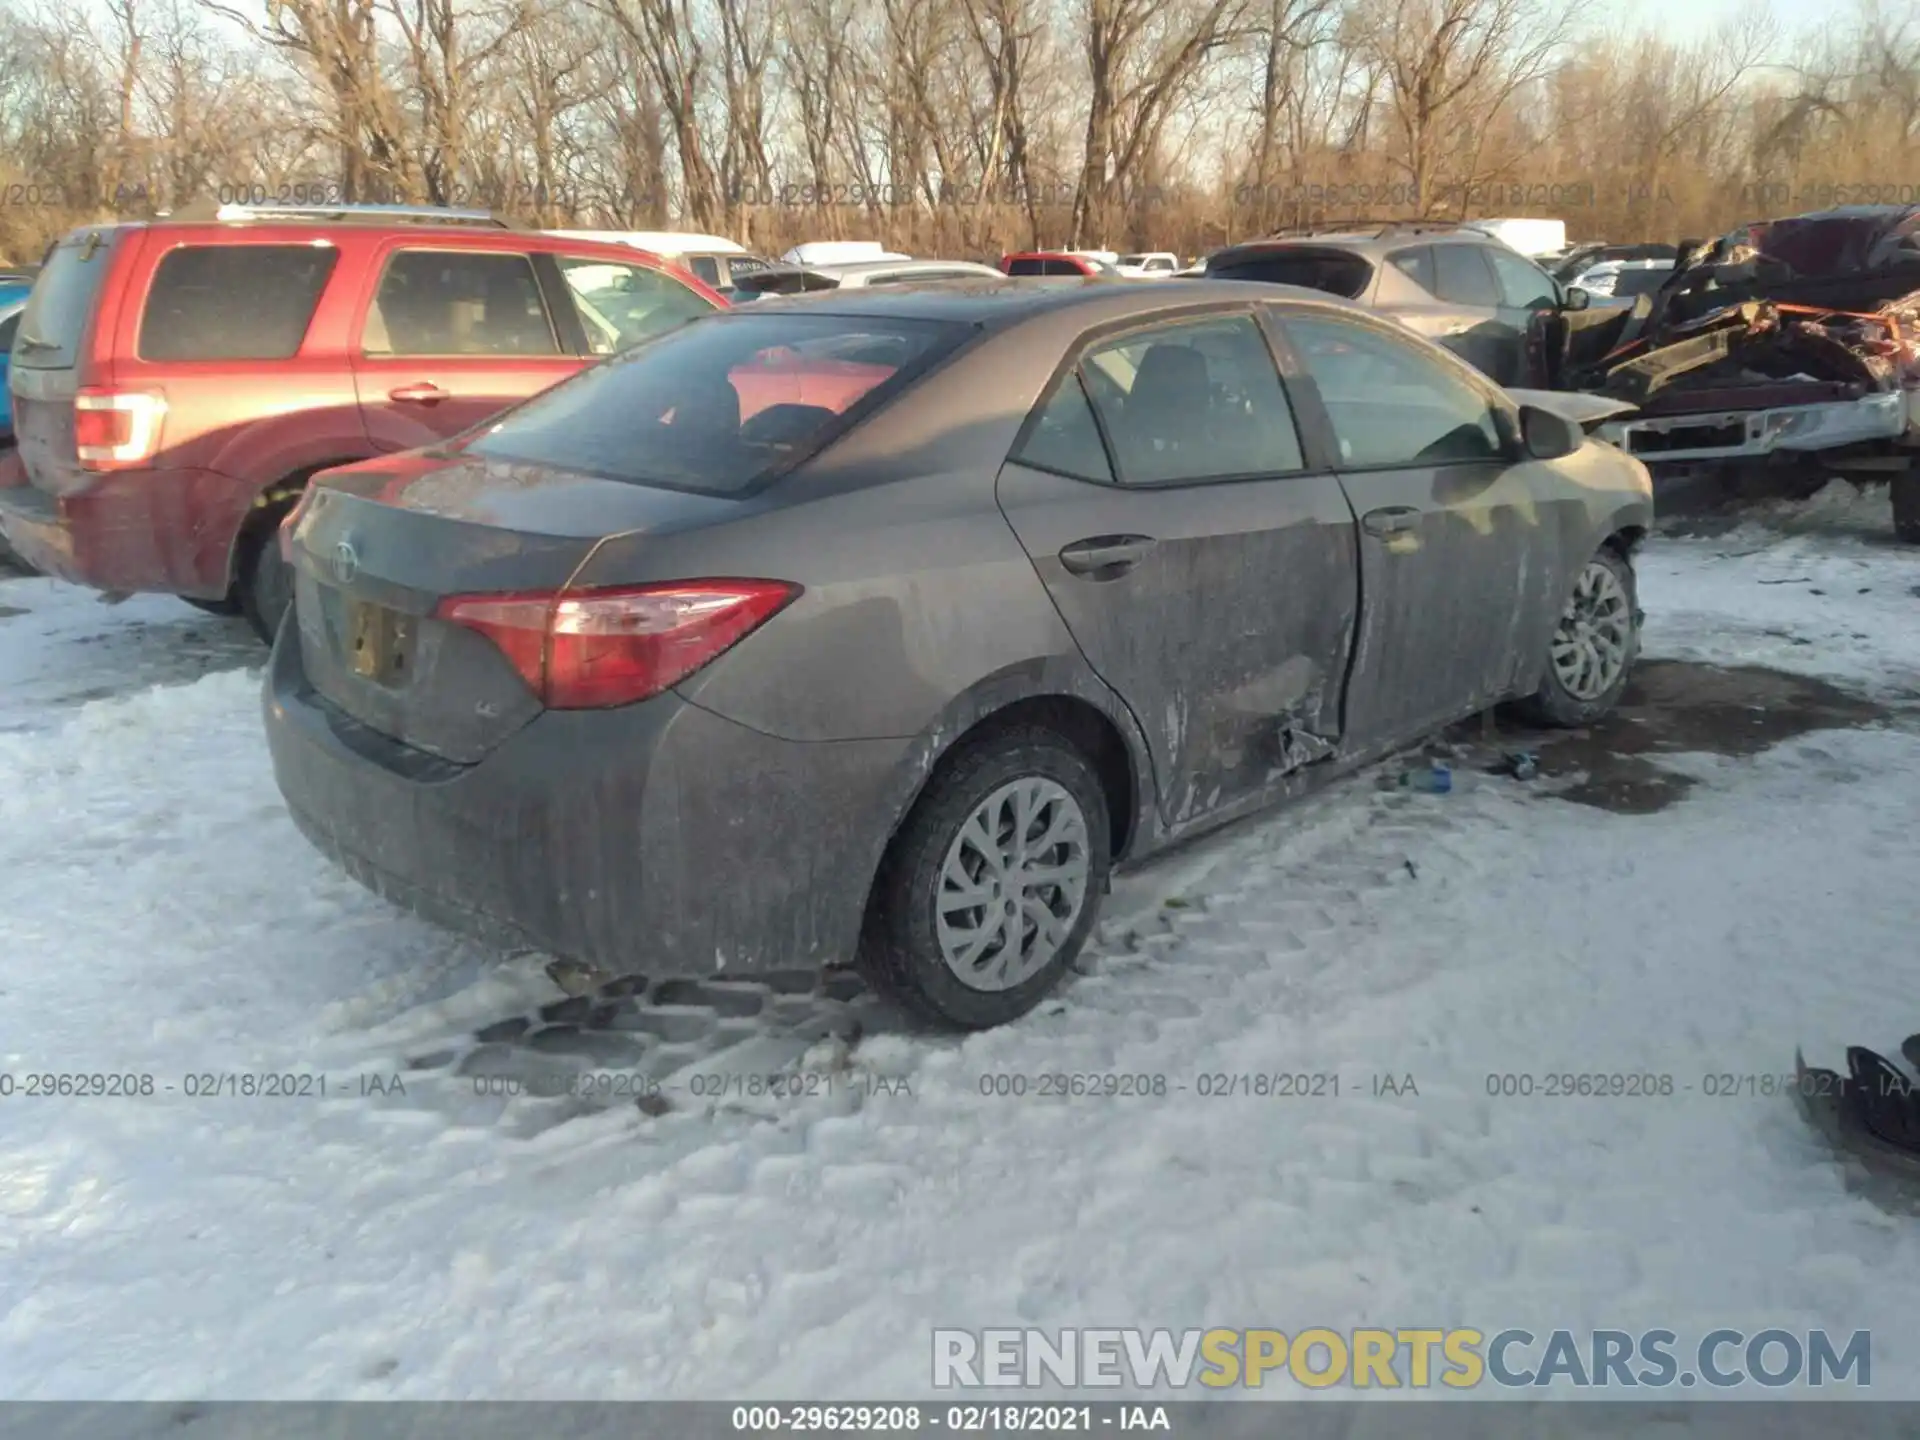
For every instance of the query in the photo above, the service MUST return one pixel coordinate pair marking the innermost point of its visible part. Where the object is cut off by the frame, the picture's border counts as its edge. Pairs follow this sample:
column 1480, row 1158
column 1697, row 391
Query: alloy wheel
column 1591, row 646
column 1012, row 884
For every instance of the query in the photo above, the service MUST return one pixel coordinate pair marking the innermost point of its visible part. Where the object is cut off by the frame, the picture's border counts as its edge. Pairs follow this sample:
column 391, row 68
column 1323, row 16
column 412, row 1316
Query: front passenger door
column 1529, row 304
column 1204, row 567
column 1454, row 556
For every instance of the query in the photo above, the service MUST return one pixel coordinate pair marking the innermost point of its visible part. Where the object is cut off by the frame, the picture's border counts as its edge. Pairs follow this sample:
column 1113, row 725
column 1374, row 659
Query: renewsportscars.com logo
column 1369, row 1359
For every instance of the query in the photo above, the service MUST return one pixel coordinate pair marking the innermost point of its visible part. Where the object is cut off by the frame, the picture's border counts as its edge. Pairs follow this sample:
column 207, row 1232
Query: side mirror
column 1547, row 436
column 1575, row 299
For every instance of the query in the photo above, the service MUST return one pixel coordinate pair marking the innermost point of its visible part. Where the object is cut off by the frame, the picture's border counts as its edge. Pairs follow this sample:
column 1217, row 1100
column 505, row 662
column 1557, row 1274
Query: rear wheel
column 226, row 605
column 991, row 887
column 1593, row 647
column 1904, row 489
column 266, row 582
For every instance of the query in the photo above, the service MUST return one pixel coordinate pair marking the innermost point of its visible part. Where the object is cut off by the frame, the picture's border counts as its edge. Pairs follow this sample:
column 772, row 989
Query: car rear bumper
column 168, row 531
column 659, row 839
column 1745, row 434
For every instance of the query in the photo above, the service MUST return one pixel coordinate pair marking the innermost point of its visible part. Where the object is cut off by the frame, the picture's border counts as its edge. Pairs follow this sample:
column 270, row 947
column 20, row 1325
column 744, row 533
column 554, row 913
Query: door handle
column 424, row 392
column 1393, row 520
column 1106, row 557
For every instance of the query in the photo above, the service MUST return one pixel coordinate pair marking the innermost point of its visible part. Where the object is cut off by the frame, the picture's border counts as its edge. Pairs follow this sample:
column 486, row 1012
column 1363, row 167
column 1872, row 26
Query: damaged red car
column 1787, row 342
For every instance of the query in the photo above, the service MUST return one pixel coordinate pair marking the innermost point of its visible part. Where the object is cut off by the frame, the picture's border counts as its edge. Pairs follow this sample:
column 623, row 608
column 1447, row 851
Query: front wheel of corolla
column 1593, row 647
column 991, row 886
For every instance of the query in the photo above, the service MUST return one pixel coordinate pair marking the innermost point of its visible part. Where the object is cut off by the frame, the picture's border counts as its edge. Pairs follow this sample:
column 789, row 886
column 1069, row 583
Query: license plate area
column 379, row 642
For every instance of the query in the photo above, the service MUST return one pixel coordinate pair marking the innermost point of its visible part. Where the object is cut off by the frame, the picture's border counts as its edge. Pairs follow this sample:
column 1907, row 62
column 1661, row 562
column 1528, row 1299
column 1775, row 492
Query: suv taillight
column 116, row 429
column 594, row 649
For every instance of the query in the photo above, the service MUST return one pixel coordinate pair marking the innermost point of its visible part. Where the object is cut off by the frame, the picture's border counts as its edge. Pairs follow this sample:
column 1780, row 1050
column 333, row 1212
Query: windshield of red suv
column 724, row 403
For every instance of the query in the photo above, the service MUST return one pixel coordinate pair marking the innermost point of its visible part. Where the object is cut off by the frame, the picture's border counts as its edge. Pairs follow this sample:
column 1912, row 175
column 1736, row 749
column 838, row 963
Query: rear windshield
column 723, row 404
column 233, row 302
column 55, row 322
column 1328, row 271
column 784, row 282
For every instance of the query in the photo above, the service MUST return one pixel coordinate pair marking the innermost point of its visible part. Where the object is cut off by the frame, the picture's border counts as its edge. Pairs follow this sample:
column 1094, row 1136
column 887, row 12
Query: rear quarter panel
column 922, row 614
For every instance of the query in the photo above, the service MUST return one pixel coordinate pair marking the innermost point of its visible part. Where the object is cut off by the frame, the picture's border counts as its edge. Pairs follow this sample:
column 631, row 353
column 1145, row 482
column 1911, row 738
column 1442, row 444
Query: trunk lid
column 377, row 547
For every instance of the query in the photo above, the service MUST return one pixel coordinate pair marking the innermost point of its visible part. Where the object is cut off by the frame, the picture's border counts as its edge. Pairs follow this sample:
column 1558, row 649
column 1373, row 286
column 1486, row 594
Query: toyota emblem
column 346, row 564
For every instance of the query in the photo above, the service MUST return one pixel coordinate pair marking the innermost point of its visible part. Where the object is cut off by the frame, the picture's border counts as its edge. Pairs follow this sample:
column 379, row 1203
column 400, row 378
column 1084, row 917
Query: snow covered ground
column 160, row 916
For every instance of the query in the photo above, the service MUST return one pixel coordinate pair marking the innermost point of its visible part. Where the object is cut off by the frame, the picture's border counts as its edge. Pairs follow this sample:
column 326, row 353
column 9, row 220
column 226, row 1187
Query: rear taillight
column 116, row 429
column 593, row 649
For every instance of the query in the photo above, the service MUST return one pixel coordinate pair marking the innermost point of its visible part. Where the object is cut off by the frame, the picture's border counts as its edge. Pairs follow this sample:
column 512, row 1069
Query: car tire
column 1904, row 491
column 928, row 968
column 225, row 607
column 1603, row 606
column 266, row 583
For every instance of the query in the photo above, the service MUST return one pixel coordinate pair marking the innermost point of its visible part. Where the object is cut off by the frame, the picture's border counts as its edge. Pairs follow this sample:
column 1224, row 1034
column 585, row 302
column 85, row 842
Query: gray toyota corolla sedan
column 879, row 628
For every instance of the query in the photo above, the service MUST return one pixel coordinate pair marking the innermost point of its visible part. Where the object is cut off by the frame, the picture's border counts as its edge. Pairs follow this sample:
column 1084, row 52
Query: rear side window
column 1194, row 401
column 1064, row 267
column 233, row 302
column 57, row 314
column 1392, row 403
column 1331, row 271
column 1065, row 438
column 706, row 267
column 717, row 407
column 1028, row 267
column 1461, row 276
column 459, row 302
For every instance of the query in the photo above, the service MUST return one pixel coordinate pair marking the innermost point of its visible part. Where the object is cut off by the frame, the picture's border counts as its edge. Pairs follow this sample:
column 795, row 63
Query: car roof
column 368, row 220
column 1363, row 243
column 671, row 243
column 991, row 302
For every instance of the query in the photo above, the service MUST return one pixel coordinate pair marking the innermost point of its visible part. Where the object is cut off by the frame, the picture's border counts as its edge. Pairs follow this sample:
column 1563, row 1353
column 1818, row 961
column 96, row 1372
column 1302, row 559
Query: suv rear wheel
column 266, row 581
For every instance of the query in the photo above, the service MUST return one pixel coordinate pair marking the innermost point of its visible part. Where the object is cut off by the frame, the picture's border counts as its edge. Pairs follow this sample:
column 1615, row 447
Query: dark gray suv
column 1487, row 303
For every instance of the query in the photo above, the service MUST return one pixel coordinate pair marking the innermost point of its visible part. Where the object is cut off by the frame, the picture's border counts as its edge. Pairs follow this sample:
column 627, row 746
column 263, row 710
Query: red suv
column 1054, row 262
column 176, row 382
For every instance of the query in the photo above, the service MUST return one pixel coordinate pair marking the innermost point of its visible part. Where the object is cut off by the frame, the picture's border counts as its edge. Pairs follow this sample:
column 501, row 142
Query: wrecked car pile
column 1795, row 338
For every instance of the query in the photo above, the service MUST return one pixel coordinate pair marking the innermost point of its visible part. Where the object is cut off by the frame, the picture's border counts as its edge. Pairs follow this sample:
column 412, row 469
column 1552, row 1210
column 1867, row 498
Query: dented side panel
column 1228, row 640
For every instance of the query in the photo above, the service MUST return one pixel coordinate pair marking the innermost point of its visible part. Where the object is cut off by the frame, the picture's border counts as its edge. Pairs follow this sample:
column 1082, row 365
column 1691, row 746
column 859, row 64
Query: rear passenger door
column 449, row 337
column 1204, row 566
column 1455, row 555
column 1464, row 282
